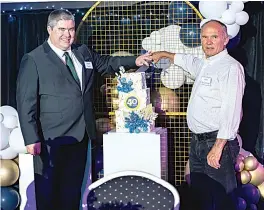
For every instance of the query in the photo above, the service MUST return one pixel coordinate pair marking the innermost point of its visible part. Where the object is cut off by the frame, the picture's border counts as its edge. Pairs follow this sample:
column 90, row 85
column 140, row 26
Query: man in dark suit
column 55, row 107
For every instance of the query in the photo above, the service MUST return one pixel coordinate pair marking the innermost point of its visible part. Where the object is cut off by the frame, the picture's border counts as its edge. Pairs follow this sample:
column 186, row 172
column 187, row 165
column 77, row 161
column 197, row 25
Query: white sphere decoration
column 232, row 30
column 4, row 136
column 8, row 110
column 242, row 18
column 203, row 22
column 16, row 141
column 1, row 117
column 188, row 80
column 163, row 63
column 172, row 77
column 237, row 6
column 10, row 121
column 228, row 17
column 212, row 9
column 146, row 43
column 8, row 154
column 155, row 37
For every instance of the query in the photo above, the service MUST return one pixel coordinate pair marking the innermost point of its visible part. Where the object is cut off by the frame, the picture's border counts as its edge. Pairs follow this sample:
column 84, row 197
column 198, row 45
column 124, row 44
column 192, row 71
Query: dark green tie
column 70, row 65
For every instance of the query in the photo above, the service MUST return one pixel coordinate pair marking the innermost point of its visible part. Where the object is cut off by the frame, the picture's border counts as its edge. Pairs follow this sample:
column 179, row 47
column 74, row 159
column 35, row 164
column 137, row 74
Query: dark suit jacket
column 50, row 103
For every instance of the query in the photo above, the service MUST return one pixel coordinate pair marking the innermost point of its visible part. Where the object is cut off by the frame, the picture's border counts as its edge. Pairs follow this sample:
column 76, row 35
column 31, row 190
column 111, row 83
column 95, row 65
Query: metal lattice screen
column 128, row 28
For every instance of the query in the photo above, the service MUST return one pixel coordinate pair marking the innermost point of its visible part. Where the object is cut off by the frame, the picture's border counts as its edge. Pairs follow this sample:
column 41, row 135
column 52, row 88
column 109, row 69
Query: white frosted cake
column 135, row 113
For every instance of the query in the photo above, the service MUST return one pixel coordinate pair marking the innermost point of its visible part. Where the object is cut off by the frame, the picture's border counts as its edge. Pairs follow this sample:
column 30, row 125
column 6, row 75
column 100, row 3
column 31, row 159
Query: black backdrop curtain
column 250, row 53
column 21, row 33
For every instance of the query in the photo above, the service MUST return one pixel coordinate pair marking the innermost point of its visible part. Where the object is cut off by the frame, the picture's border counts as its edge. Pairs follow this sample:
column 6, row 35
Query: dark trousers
column 212, row 188
column 59, row 172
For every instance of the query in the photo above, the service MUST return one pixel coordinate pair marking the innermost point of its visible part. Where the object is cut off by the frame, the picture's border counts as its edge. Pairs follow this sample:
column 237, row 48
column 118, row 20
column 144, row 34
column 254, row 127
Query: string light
column 24, row 9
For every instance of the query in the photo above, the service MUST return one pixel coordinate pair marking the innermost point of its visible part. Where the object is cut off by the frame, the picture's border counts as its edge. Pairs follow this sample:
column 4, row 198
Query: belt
column 204, row 136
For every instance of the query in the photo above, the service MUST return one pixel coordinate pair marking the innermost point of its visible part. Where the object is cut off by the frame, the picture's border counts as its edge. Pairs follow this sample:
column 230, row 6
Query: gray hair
column 220, row 23
column 57, row 15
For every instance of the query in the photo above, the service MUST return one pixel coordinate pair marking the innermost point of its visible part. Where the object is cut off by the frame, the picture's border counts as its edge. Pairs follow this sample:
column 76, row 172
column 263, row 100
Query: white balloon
column 228, row 17
column 8, row 154
column 155, row 37
column 10, row 121
column 242, row 18
column 232, row 30
column 1, row 117
column 163, row 63
column 170, row 38
column 172, row 77
column 188, row 80
column 4, row 137
column 212, row 9
column 237, row 6
column 203, row 22
column 16, row 141
column 8, row 110
column 146, row 43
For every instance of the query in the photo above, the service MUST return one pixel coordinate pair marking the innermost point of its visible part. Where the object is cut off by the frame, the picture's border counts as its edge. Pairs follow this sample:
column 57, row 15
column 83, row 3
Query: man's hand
column 144, row 59
column 34, row 149
column 156, row 56
column 213, row 157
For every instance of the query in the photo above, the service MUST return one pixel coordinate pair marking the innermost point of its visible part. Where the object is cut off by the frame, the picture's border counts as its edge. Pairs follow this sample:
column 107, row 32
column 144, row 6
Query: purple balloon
column 250, row 193
column 241, row 204
column 252, row 207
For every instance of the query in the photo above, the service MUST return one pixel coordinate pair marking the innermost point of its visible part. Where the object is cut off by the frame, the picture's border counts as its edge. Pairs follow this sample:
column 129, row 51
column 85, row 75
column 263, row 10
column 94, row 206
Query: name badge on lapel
column 88, row 65
column 206, row 81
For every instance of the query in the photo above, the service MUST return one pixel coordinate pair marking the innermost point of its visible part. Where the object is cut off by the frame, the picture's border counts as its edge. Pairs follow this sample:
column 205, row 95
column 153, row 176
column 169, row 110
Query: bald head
column 216, row 23
column 214, row 37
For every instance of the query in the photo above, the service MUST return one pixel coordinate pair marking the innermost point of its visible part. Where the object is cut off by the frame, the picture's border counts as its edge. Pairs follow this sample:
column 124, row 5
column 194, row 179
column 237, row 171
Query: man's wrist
column 220, row 143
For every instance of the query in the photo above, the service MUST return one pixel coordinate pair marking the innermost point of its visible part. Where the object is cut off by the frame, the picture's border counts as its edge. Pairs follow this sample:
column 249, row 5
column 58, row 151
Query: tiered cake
column 135, row 113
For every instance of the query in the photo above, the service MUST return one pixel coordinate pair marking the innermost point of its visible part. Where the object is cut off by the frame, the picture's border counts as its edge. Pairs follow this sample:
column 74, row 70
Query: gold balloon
column 16, row 160
column 251, row 163
column 261, row 189
column 245, row 177
column 257, row 175
column 9, row 173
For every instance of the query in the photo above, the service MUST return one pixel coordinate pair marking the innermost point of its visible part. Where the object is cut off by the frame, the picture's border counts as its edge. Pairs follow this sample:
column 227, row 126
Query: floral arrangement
column 138, row 122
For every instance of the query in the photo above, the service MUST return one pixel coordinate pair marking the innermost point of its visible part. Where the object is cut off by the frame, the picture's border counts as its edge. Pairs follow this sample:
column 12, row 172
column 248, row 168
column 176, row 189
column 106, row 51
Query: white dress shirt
column 216, row 99
column 78, row 67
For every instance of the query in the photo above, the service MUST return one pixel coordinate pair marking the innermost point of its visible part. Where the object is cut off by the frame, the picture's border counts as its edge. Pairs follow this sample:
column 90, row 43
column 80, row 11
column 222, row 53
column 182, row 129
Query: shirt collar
column 58, row 51
column 217, row 56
